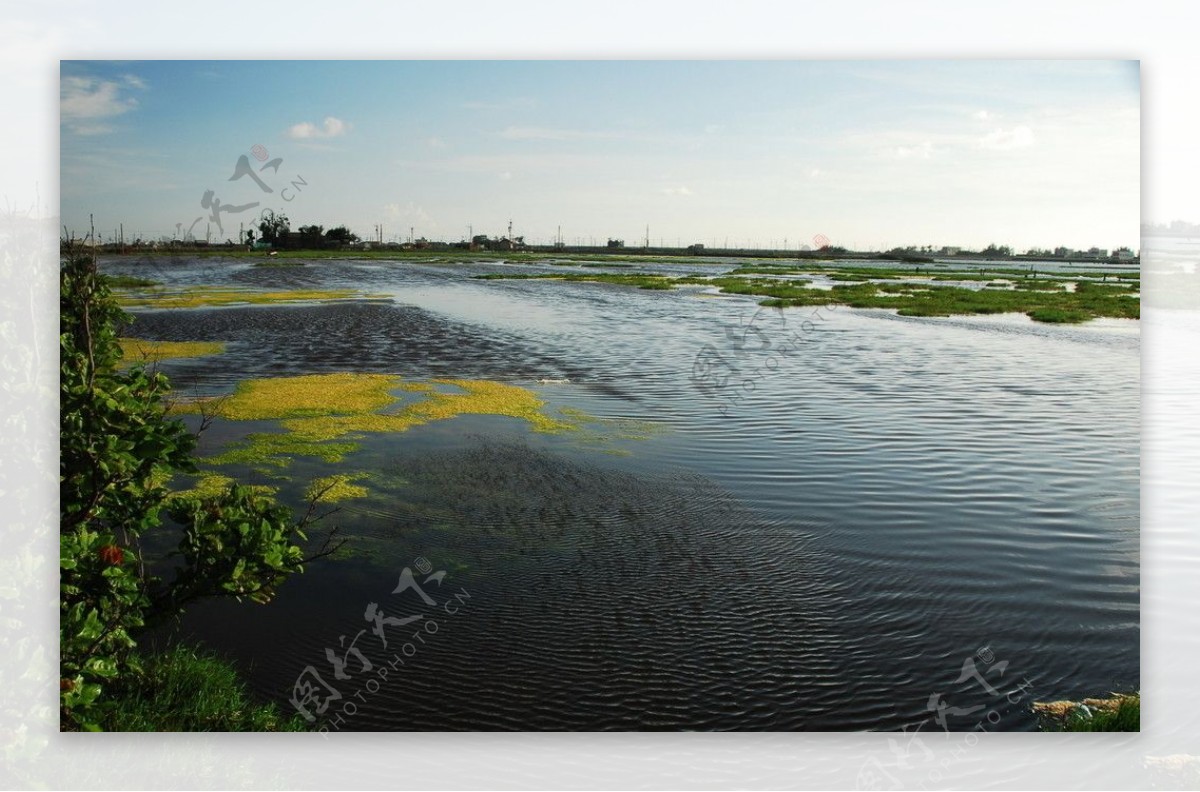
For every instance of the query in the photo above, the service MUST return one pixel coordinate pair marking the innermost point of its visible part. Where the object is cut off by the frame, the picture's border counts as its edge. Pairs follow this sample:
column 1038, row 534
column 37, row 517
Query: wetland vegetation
column 1043, row 297
column 331, row 430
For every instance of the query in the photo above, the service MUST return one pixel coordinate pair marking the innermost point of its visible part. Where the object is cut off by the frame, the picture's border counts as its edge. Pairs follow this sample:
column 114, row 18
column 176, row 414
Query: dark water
column 877, row 522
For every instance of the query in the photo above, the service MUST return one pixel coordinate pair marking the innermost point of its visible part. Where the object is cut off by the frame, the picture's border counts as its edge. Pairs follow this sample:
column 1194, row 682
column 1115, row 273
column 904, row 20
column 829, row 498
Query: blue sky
column 869, row 154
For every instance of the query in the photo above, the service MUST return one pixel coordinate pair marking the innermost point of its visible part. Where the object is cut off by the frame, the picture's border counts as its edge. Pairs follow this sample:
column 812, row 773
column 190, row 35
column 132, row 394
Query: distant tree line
column 275, row 229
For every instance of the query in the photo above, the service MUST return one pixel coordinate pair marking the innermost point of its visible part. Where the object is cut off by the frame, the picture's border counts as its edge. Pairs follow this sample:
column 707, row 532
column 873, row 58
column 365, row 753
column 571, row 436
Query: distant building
column 1063, row 252
column 950, row 251
column 696, row 248
column 616, row 243
column 1124, row 254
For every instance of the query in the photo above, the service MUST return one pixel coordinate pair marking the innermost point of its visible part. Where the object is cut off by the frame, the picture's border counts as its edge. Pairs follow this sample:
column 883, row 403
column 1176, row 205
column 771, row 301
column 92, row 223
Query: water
column 832, row 541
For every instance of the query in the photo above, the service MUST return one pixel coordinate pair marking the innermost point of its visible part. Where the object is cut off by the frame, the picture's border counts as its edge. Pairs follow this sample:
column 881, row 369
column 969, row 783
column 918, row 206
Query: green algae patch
column 264, row 451
column 212, row 485
column 477, row 397
column 215, row 297
column 137, row 350
column 332, row 489
column 317, row 409
column 308, row 395
column 325, row 416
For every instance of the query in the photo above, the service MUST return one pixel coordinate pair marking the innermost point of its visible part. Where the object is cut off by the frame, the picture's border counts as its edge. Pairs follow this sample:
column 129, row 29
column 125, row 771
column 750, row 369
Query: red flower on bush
column 111, row 554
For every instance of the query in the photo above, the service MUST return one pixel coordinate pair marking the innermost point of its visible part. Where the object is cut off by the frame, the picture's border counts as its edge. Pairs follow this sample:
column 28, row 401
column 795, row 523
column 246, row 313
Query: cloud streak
column 330, row 128
column 1007, row 139
column 86, row 104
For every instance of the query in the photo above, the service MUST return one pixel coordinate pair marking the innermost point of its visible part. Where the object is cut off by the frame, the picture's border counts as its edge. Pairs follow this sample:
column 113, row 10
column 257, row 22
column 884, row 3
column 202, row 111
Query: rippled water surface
column 871, row 508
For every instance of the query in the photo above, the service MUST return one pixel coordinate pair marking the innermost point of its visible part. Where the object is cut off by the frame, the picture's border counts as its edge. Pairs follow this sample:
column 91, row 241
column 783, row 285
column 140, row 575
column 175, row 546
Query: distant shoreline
column 616, row 253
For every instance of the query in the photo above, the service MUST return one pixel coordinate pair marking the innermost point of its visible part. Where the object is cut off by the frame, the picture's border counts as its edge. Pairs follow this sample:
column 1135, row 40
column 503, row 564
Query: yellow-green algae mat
column 324, row 413
column 138, row 350
column 329, row 489
column 217, row 296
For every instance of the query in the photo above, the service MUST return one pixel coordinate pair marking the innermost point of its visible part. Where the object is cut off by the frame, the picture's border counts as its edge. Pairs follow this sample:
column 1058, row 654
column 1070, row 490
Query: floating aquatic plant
column 325, row 415
column 220, row 296
column 478, row 397
column 308, row 395
column 338, row 487
column 138, row 350
column 211, row 485
column 262, row 451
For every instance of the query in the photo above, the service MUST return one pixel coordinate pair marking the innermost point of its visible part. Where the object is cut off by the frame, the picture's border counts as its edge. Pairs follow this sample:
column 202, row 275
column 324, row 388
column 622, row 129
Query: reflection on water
column 822, row 552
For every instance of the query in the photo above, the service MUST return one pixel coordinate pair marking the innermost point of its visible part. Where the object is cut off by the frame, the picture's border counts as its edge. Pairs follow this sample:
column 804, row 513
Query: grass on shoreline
column 187, row 690
column 1118, row 713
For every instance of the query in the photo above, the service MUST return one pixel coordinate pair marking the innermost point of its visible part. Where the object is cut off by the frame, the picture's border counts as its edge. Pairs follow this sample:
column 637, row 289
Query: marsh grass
column 1118, row 713
column 188, row 690
column 1087, row 302
column 1043, row 299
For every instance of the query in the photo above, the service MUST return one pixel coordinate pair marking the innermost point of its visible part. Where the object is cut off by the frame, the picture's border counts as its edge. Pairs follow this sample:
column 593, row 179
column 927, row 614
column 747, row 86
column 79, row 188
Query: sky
column 865, row 154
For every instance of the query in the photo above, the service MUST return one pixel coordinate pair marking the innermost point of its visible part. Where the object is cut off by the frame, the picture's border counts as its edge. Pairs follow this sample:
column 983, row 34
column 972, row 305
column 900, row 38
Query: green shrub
column 117, row 447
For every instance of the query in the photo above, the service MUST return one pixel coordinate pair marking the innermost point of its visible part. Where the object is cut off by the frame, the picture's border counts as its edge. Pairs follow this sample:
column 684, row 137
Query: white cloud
column 84, row 102
column 922, row 151
column 411, row 214
column 1006, row 139
column 677, row 191
column 330, row 128
column 983, row 115
column 435, row 142
column 505, row 176
column 92, row 129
